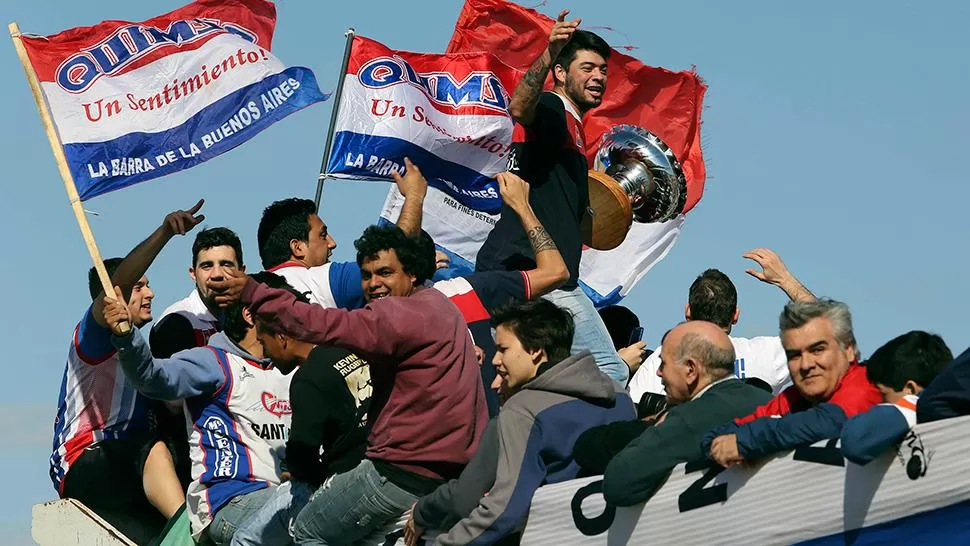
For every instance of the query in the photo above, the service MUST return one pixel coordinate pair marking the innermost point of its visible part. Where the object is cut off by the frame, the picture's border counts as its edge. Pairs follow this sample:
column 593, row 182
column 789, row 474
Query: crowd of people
column 316, row 401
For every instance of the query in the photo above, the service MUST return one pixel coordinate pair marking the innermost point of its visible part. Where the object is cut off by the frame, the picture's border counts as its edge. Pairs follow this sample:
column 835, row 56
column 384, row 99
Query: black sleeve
column 455, row 500
column 498, row 288
column 597, row 446
column 636, row 473
column 532, row 145
column 323, row 412
column 170, row 335
column 948, row 395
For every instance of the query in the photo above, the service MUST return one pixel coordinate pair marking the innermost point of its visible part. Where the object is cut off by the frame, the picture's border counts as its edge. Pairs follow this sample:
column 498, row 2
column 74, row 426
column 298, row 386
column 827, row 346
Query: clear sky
column 834, row 133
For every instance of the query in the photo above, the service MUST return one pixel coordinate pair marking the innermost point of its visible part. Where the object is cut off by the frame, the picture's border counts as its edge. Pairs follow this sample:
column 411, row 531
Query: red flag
column 665, row 103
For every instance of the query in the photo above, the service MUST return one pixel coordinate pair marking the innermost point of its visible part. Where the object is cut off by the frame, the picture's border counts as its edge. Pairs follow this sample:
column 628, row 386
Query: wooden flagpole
column 62, row 166
column 333, row 115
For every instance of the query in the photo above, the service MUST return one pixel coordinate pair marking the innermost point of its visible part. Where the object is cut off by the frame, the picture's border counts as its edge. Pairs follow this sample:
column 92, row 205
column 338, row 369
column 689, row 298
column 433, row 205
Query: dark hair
column 233, row 323
column 914, row 356
column 620, row 323
column 213, row 237
column 94, row 282
column 282, row 222
column 427, row 250
column 713, row 298
column 582, row 40
column 538, row 324
column 378, row 238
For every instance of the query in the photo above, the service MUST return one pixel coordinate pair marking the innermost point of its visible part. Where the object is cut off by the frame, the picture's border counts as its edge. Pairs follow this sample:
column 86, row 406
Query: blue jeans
column 591, row 333
column 350, row 506
column 235, row 513
column 270, row 526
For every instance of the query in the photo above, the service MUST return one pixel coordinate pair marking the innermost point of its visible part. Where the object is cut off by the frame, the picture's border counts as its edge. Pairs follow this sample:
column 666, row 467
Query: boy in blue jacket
column 900, row 369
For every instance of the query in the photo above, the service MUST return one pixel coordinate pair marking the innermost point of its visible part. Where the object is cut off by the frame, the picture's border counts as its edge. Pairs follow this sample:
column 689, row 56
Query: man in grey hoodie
column 555, row 397
column 239, row 409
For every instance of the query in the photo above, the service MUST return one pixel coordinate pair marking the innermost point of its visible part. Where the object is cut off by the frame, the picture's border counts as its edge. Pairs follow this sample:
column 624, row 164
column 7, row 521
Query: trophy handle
column 612, row 213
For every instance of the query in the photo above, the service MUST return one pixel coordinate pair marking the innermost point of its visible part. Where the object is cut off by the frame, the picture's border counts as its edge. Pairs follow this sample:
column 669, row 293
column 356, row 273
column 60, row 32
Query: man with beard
column 549, row 152
column 191, row 321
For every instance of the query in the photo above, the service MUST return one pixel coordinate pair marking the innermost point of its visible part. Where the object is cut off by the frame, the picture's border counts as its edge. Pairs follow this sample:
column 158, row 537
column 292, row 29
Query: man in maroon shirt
column 427, row 407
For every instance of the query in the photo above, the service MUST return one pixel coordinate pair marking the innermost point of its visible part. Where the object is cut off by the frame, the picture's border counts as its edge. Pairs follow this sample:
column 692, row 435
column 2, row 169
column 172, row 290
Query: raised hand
column 561, row 32
column 115, row 313
column 412, row 185
column 514, row 190
column 773, row 270
column 181, row 222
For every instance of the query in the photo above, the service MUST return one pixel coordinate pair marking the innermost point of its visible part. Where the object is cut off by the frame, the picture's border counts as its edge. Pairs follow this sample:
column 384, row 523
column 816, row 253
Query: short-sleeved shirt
column 96, row 401
column 332, row 285
column 549, row 154
column 185, row 324
column 476, row 296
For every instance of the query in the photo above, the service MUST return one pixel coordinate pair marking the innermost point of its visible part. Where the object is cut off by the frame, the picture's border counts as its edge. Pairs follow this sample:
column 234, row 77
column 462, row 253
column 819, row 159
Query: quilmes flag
column 135, row 101
column 447, row 113
column 664, row 102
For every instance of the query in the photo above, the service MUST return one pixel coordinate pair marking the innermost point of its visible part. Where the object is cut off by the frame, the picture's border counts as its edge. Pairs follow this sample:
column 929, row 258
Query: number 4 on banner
column 62, row 166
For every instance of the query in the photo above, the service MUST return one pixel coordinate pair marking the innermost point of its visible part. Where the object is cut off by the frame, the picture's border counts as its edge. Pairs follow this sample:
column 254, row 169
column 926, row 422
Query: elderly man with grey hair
column 829, row 387
column 697, row 370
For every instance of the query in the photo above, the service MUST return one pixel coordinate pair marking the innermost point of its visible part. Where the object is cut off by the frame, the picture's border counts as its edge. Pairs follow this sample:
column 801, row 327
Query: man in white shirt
column 714, row 298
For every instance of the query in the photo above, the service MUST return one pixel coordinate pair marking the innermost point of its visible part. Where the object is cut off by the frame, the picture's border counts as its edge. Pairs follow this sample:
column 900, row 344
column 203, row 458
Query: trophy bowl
column 635, row 177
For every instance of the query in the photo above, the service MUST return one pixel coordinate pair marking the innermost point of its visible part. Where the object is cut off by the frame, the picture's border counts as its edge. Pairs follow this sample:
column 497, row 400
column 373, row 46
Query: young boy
column 900, row 369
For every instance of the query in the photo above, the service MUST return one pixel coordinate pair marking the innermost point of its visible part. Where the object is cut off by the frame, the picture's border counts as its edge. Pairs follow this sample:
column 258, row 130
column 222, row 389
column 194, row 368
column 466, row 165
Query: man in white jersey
column 714, row 298
column 294, row 242
column 239, row 415
column 191, row 321
column 107, row 453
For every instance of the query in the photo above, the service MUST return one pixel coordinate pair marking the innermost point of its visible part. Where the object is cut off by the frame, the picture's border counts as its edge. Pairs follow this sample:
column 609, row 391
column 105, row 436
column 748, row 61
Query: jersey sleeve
column 774, row 363
column 345, row 284
column 498, row 288
column 170, row 335
column 91, row 340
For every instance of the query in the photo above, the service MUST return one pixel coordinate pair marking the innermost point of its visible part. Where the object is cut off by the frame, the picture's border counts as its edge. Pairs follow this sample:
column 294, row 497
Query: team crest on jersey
column 129, row 43
column 479, row 88
column 274, row 405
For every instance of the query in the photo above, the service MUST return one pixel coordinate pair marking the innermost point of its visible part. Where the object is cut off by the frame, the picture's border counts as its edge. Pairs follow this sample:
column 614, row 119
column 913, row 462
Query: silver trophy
column 643, row 181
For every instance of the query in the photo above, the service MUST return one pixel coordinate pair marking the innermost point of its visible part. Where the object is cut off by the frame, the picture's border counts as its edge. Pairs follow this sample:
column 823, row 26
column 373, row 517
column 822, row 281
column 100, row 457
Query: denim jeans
column 350, row 506
column 235, row 513
column 270, row 526
column 591, row 333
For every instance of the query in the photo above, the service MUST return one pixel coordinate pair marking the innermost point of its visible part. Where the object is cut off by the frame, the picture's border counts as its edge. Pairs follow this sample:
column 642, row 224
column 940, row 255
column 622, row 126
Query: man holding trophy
column 549, row 152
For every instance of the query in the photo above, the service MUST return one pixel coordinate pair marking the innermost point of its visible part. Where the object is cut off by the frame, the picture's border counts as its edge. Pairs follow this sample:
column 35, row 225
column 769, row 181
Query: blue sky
column 834, row 133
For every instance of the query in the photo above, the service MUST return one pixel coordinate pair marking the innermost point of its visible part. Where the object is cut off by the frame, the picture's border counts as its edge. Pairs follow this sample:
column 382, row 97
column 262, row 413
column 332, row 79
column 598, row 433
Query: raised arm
column 190, row 373
column 522, row 108
column 136, row 263
column 774, row 272
column 414, row 188
column 550, row 271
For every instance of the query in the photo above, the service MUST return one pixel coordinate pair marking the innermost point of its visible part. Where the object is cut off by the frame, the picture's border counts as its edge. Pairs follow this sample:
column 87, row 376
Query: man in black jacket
column 697, row 369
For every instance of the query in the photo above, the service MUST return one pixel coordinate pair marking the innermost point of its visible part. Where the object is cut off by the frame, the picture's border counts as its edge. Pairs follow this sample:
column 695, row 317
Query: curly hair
column 378, row 238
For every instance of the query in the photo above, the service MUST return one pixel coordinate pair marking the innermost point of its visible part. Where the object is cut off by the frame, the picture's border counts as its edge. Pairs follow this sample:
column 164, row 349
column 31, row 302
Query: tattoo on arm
column 530, row 86
column 540, row 240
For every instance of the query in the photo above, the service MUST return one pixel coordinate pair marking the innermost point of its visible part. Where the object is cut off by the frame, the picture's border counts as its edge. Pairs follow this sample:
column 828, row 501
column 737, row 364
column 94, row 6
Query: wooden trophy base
column 612, row 213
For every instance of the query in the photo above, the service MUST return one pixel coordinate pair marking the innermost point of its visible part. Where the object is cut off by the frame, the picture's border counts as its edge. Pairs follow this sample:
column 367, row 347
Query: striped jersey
column 96, row 402
column 237, row 436
column 331, row 285
column 204, row 324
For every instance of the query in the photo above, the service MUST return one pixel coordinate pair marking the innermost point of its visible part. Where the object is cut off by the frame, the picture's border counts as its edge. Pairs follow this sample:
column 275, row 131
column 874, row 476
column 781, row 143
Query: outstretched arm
column 526, row 94
column 137, row 261
column 550, row 271
column 195, row 372
column 774, row 272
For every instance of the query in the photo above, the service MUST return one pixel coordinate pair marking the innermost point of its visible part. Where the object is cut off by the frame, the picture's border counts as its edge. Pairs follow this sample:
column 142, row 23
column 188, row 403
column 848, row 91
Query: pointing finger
column 197, row 206
column 562, row 15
